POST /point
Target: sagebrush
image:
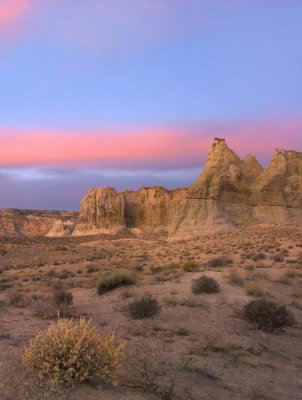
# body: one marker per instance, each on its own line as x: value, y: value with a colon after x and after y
x: 267, y: 315
x: 205, y: 284
x: 114, y: 280
x: 146, y: 306
x: 70, y: 352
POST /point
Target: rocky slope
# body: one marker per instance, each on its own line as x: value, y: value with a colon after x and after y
x: 30, y: 223
x: 230, y: 192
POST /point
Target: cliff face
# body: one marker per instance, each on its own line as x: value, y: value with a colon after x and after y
x: 107, y: 211
x: 30, y: 223
x: 230, y: 192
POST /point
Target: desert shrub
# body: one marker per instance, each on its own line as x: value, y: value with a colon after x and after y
x: 278, y: 258
x: 258, y: 256
x: 235, y: 278
x: 114, y: 280
x: 70, y: 352
x: 16, y: 298
x: 190, y: 266
x: 62, y: 298
x: 61, y: 248
x: 205, y: 284
x: 219, y: 262
x: 19, y: 383
x: 144, y: 307
x: 3, y: 251
x: 267, y: 315
x: 253, y: 289
x: 146, y: 365
x: 45, y: 307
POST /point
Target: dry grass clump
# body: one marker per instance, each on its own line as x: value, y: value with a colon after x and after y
x: 297, y: 292
x: 63, y: 298
x: 267, y: 315
x: 234, y: 278
x: 219, y: 262
x: 114, y: 280
x: 190, y: 266
x: 253, y: 289
x: 16, y: 298
x: 3, y: 250
x: 205, y: 284
x: 146, y: 367
x: 258, y: 256
x: 70, y: 352
x: 146, y: 306
x: 19, y: 383
x: 258, y: 393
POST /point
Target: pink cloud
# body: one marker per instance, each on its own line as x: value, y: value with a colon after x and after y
x: 113, y: 27
x: 11, y: 11
x: 161, y: 147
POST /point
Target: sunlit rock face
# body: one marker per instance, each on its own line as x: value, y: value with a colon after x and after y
x: 107, y: 211
x: 61, y: 228
x: 229, y: 193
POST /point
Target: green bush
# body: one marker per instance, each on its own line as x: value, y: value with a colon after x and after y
x: 70, y: 352
x: 144, y: 307
x: 114, y: 280
x: 205, y: 284
x: 267, y: 315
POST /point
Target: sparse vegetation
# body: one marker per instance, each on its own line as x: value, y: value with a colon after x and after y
x: 147, y: 365
x: 205, y: 284
x: 70, y: 352
x: 219, y: 262
x: 253, y: 289
x: 63, y: 298
x: 235, y: 278
x: 114, y: 280
x: 3, y: 250
x: 190, y: 266
x: 267, y: 315
x: 144, y: 307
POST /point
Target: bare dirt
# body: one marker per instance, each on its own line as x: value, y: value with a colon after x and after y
x: 211, y: 353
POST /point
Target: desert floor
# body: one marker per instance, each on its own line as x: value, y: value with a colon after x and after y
x: 204, y: 347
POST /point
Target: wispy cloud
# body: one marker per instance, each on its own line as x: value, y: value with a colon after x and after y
x: 11, y: 12
x: 55, y: 169
x: 108, y: 26
x: 159, y: 148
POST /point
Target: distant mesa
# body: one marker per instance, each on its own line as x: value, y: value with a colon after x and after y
x: 29, y: 223
x: 230, y: 193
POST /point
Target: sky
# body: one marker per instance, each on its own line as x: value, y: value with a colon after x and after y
x: 131, y: 93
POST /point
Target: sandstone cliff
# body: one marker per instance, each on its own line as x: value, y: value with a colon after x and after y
x: 230, y: 192
x: 30, y: 223
x: 107, y: 211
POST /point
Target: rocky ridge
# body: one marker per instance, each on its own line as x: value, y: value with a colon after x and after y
x: 230, y: 192
x: 31, y: 223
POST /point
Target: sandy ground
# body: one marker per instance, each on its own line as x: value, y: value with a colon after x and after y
x: 210, y: 351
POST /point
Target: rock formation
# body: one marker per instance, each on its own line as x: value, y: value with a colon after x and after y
x: 107, y: 211
x: 61, y: 228
x: 30, y: 223
x: 230, y: 192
